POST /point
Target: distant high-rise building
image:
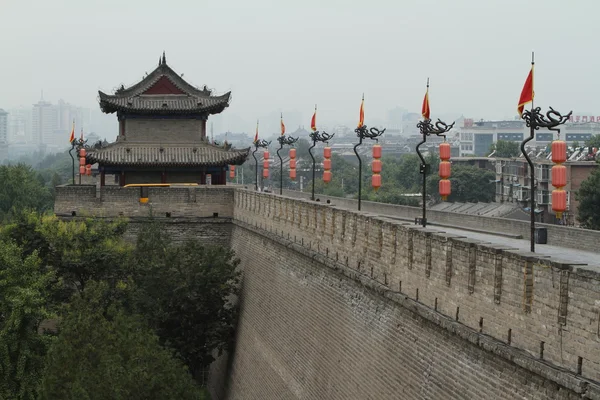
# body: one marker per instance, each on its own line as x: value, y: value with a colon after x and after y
x: 3, y: 127
x: 19, y: 125
x: 44, y: 123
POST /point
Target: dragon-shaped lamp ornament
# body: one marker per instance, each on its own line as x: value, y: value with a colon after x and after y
x: 362, y: 132
x: 427, y: 128
x: 317, y: 136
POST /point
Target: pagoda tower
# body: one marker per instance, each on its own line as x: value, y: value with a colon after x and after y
x: 162, y: 133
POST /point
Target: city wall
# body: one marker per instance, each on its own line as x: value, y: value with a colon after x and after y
x: 575, y: 238
x: 340, y: 304
x: 202, y: 213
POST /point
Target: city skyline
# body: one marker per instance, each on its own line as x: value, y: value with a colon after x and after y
x: 476, y: 55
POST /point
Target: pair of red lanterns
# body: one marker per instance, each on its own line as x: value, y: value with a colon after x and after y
x: 83, y: 168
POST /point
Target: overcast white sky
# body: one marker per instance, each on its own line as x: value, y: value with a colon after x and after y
x: 288, y: 55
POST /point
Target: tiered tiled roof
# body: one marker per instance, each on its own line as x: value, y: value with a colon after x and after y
x: 155, y: 155
x: 163, y: 91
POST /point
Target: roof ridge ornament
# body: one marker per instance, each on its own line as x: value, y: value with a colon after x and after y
x: 164, y: 59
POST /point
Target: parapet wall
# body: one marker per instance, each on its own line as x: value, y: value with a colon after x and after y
x: 545, y: 308
x: 113, y: 201
x: 558, y: 235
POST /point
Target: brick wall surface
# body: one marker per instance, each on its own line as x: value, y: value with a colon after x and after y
x: 156, y: 130
x: 545, y: 309
x: 110, y: 201
x: 576, y: 238
x: 311, y: 331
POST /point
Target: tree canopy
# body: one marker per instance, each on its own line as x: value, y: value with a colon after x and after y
x: 505, y: 149
x: 102, y: 352
x: 588, y: 195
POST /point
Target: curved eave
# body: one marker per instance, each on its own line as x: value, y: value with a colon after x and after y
x: 237, y: 158
x: 108, y: 106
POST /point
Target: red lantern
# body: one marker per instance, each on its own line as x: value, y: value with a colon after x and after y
x: 292, y: 153
x: 231, y: 174
x: 559, y: 176
x: 445, y: 151
x: 82, y: 161
x: 81, y: 170
x: 82, y: 152
x: 266, y: 164
x: 559, y: 151
x: 266, y: 155
x: 292, y: 174
x: 376, y: 166
x: 444, y: 187
x: 559, y: 202
x: 376, y: 181
x: 444, y: 170
x: 88, y: 169
x: 376, y: 151
x: 327, y: 164
x: 265, y: 173
x: 292, y: 164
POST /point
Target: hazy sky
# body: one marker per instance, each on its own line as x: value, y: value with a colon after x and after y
x: 288, y: 55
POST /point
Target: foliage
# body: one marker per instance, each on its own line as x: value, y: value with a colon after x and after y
x: 505, y: 149
x: 22, y: 188
x: 23, y: 306
x: 594, y: 141
x: 588, y: 196
x: 469, y: 184
x: 104, y: 353
x: 186, y: 292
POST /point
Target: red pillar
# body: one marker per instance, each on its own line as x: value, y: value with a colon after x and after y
x: 163, y: 177
x: 102, y: 177
x: 122, y: 180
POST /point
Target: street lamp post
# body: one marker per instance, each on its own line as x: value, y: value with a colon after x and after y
x: 535, y: 119
x: 283, y: 140
x: 76, y: 144
x: 362, y: 132
x: 427, y: 128
x: 316, y: 136
x: 257, y: 145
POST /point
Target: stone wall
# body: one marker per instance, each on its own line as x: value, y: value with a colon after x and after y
x: 424, y: 315
x: 576, y: 238
x: 156, y: 130
x: 112, y: 201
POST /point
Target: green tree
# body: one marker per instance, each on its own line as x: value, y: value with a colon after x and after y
x: 186, y: 293
x: 575, y: 144
x: 22, y: 188
x: 588, y: 195
x: 104, y: 353
x: 469, y: 184
x: 594, y: 141
x: 90, y: 249
x: 505, y: 149
x: 23, y: 307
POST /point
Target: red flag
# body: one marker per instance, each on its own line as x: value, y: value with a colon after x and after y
x: 527, y: 93
x: 256, y: 135
x: 282, y: 126
x: 72, y: 137
x: 425, y: 111
x: 313, y: 121
x: 361, y: 117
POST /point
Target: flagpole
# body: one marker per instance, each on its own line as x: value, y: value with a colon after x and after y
x: 532, y: 190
